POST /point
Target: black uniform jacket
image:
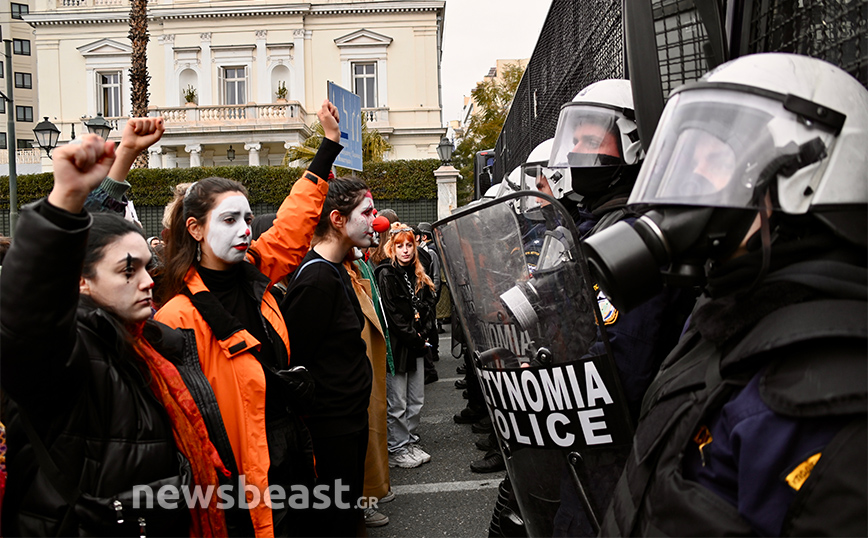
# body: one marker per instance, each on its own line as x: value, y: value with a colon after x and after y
x: 65, y: 371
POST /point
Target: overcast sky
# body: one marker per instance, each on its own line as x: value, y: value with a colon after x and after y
x: 477, y: 34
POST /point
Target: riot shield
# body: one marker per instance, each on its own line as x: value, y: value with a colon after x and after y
x: 521, y: 292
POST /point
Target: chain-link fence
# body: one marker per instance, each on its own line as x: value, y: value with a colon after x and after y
x: 833, y: 31
x: 580, y: 43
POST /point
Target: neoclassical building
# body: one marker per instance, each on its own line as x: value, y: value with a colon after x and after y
x: 218, y: 70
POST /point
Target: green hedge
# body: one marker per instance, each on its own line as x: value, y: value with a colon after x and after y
x: 395, y: 180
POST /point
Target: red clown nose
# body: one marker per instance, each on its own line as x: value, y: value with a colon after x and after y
x: 381, y: 224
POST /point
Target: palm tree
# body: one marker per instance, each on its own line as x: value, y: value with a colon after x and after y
x: 139, y: 65
x: 374, y: 146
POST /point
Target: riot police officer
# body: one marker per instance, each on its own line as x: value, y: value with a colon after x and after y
x: 757, y: 188
x: 594, y: 161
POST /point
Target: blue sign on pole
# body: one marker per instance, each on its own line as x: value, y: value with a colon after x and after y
x: 349, y: 107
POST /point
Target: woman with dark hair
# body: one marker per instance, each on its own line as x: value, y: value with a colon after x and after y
x: 325, y: 323
x: 408, y: 301
x: 97, y: 406
x: 219, y: 282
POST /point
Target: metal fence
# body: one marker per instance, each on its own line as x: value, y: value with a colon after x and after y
x: 580, y: 43
x: 833, y: 31
x: 410, y: 212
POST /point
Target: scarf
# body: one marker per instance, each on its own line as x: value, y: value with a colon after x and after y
x: 189, y: 431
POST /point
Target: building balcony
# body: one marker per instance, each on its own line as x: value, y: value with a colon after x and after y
x: 272, y: 118
x: 252, y: 113
x: 22, y: 156
x: 96, y: 3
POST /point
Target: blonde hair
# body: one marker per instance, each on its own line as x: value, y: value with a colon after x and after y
x: 400, y: 233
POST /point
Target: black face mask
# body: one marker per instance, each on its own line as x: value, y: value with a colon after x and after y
x: 593, y: 173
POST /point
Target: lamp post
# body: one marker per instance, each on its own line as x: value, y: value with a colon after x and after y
x: 230, y: 153
x: 447, y: 180
x: 444, y: 151
x: 47, y: 134
x: 99, y: 126
x: 10, y: 140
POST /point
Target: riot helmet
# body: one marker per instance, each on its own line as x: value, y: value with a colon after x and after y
x: 597, y: 138
x: 759, y: 138
x: 537, y: 176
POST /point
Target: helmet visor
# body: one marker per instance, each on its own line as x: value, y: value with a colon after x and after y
x: 723, y: 148
x: 587, y: 136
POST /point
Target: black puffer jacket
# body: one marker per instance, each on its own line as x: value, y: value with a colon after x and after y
x: 398, y: 305
x: 66, y: 370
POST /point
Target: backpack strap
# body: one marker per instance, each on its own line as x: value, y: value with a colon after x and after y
x: 330, y: 264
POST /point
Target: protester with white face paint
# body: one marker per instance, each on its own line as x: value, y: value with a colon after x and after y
x: 325, y: 321
x: 219, y: 283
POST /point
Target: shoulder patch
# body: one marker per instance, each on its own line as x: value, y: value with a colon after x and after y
x: 802, y: 471
x: 607, y: 309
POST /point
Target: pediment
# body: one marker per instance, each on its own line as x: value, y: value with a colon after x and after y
x: 363, y: 38
x: 105, y: 47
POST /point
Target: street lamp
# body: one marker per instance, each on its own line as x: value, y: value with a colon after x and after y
x: 230, y: 153
x: 98, y: 126
x: 47, y: 134
x: 444, y: 151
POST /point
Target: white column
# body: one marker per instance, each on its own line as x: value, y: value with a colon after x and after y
x: 205, y: 72
x: 297, y: 90
x: 263, y: 85
x: 90, y: 85
x: 447, y: 192
x: 155, y: 157
x: 253, y: 153
x: 171, y: 159
x: 195, y: 151
x: 382, y: 83
x: 173, y: 97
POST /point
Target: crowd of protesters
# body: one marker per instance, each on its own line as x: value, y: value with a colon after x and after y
x: 256, y: 359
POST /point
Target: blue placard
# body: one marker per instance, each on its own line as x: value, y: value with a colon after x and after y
x: 349, y: 107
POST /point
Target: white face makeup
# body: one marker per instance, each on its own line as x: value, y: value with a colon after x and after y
x: 228, y: 233
x: 360, y: 227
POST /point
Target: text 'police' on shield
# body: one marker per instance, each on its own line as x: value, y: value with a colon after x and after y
x: 563, y: 406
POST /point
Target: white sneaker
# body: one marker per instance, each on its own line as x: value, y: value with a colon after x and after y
x: 418, y: 453
x: 404, y: 459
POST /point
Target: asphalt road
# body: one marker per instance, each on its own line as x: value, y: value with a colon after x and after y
x: 442, y: 497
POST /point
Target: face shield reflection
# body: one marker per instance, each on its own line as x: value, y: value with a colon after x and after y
x: 586, y: 136
x: 720, y: 148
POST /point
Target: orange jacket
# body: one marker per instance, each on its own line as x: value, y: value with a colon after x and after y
x: 235, y: 375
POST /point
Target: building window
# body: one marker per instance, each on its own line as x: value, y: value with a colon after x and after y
x: 365, y: 83
x: 21, y: 46
x: 2, y: 106
x: 234, y: 86
x: 3, y: 141
x: 23, y: 80
x: 2, y: 70
x: 19, y: 9
x: 24, y: 143
x: 24, y: 113
x: 109, y: 93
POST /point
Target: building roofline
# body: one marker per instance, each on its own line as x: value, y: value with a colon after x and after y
x: 114, y: 15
